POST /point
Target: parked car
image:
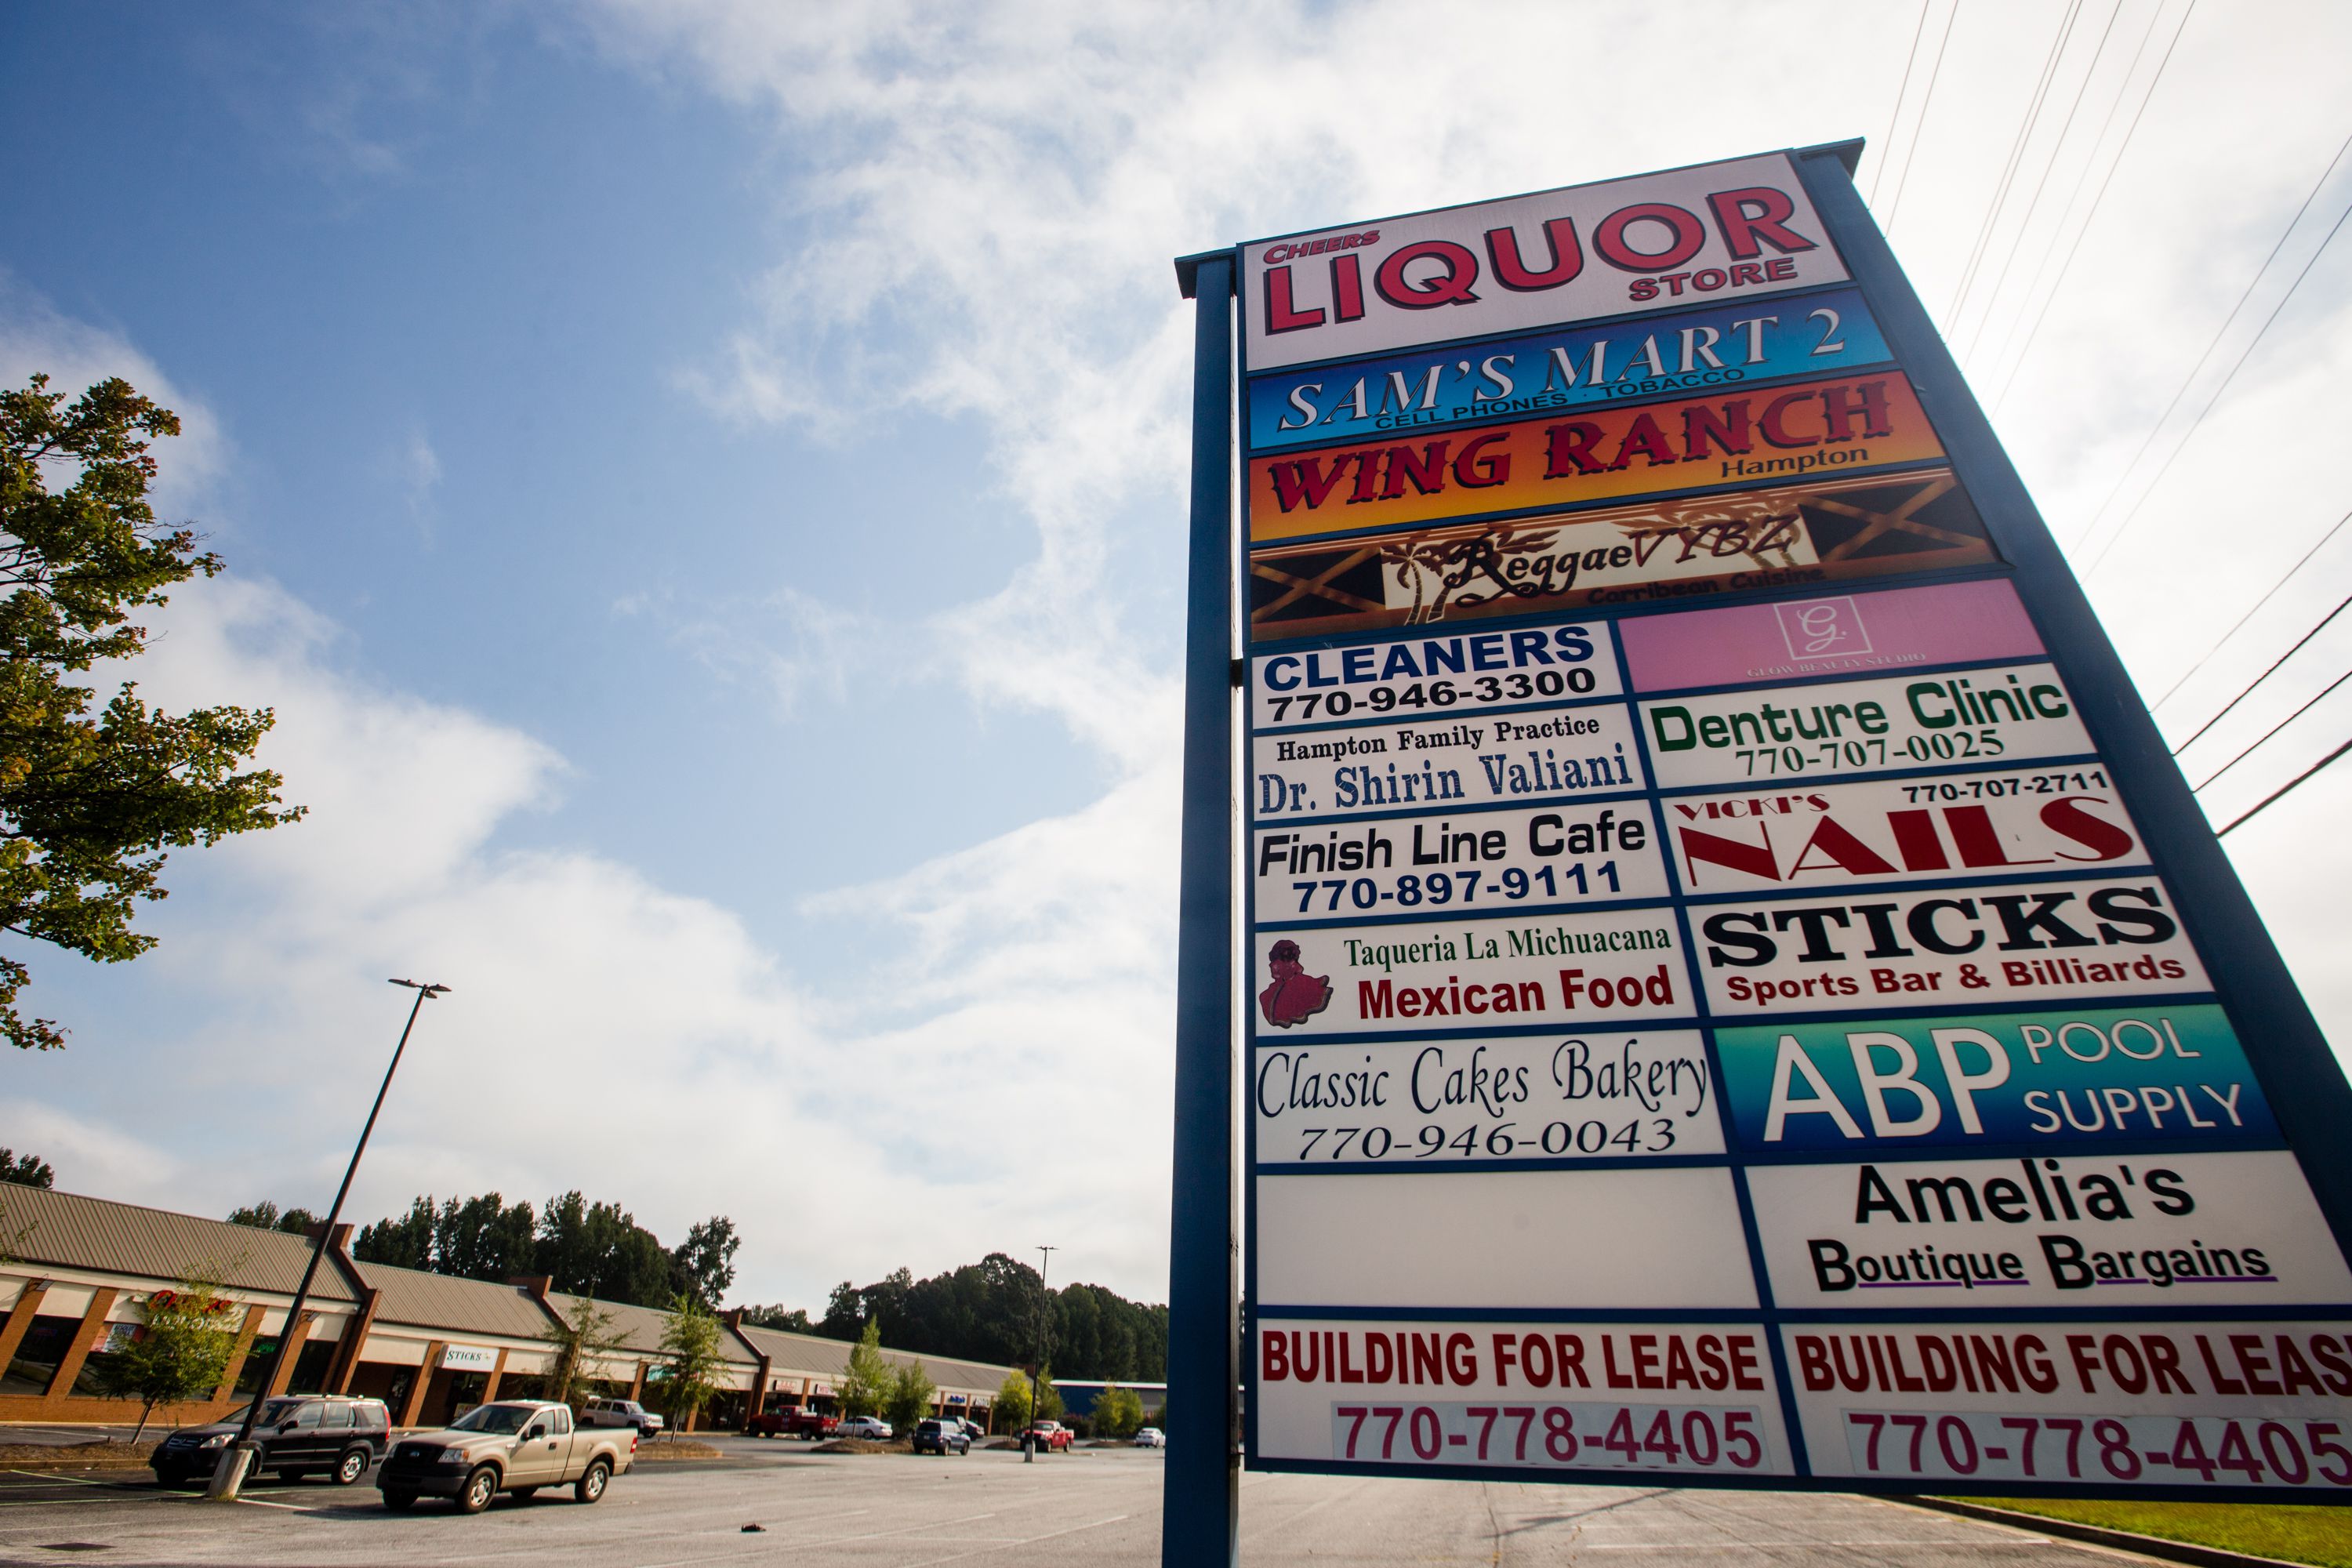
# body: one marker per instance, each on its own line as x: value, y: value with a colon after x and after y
x: 868, y: 1427
x: 1046, y: 1435
x: 515, y: 1445
x: 975, y: 1431
x: 1152, y: 1438
x: 318, y: 1435
x: 620, y: 1413
x: 941, y: 1437
x: 775, y: 1423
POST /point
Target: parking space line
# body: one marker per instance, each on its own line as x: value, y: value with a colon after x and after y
x: 822, y: 1540
x: 1024, y: 1540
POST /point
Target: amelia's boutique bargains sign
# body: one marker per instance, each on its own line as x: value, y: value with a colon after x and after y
x: 1736, y: 995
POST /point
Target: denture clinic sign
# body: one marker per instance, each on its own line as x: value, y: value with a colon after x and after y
x: 1731, y: 1001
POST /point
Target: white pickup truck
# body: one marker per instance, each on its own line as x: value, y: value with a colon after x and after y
x: 514, y: 1446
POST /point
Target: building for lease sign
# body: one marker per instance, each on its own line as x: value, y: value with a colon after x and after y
x: 1735, y: 993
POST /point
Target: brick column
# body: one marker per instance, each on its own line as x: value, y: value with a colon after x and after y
x: 406, y: 1415
x: 20, y: 1318
x: 637, y: 1387
x: 236, y: 1354
x: 347, y: 1352
x: 289, y: 1349
x: 70, y: 1365
x: 491, y: 1389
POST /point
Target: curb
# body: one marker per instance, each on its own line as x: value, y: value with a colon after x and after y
x: 43, y: 1467
x: 2100, y: 1535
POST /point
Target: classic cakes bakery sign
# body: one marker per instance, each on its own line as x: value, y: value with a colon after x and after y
x: 1695, y: 869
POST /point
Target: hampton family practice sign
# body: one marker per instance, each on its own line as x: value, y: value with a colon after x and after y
x: 1738, y: 994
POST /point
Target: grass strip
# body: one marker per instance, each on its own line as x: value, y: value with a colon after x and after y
x: 2289, y: 1531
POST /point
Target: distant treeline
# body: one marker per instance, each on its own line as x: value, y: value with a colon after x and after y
x: 985, y: 1311
x: 587, y: 1248
x: 988, y: 1311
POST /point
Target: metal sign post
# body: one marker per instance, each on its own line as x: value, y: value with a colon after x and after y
x: 1202, y: 1513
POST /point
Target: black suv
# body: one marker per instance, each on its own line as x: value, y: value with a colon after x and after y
x: 941, y: 1437
x: 298, y: 1435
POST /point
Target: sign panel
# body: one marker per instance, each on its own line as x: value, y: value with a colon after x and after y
x: 1590, y: 1095
x: 2048, y: 1080
x: 469, y: 1358
x: 1725, y: 438
x: 1730, y: 995
x: 1673, y: 547
x: 1900, y: 830
x: 1662, y: 1401
x: 1718, y: 231
x: 1692, y: 352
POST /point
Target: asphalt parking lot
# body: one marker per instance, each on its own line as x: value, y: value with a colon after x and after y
x: 1088, y: 1506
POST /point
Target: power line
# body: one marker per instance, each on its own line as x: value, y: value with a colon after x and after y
x: 2273, y: 730
x: 2285, y: 789
x: 1926, y: 106
x: 1894, y: 114
x: 2249, y: 688
x: 2008, y: 170
x: 2219, y: 333
x: 2066, y: 214
x: 2244, y: 355
x: 2025, y: 225
x: 2092, y: 215
x: 2249, y: 616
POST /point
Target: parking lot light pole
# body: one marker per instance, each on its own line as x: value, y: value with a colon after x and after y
x: 230, y: 1476
x: 1029, y: 1449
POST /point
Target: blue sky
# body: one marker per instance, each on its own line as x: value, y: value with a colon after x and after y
x: 703, y: 486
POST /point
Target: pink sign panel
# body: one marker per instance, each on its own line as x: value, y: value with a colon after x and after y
x: 1838, y: 633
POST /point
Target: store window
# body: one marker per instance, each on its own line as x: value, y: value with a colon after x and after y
x: 312, y: 1366
x: 45, y: 1345
x: 88, y: 1382
x: 257, y: 1358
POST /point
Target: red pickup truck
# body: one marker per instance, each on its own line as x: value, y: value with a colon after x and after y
x: 1050, y: 1435
x: 806, y: 1425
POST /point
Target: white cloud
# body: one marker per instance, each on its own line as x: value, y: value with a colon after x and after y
x: 992, y: 195
x: 33, y: 338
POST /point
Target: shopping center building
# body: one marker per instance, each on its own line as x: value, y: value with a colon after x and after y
x: 76, y: 1273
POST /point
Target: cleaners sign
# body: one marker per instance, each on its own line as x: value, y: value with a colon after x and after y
x: 1730, y: 999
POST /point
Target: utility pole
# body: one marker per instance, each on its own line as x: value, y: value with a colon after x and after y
x: 1044, y: 1261
x: 235, y: 1458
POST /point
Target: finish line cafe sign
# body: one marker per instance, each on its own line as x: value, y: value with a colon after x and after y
x: 1732, y: 1002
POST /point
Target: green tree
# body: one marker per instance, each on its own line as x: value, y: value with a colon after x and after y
x: 483, y: 1239
x: 1049, y: 1398
x: 1118, y: 1412
x: 600, y: 1249
x: 25, y: 1170
x: 705, y: 1260
x: 911, y: 1393
x: 866, y: 1388
x: 1010, y: 1411
x: 181, y: 1352
x: 791, y: 1321
x: 90, y: 803
x: 267, y: 1215
x: 404, y: 1243
x: 581, y: 1337
x: 690, y: 1342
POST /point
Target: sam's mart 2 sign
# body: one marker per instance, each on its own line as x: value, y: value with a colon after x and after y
x: 1735, y: 998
